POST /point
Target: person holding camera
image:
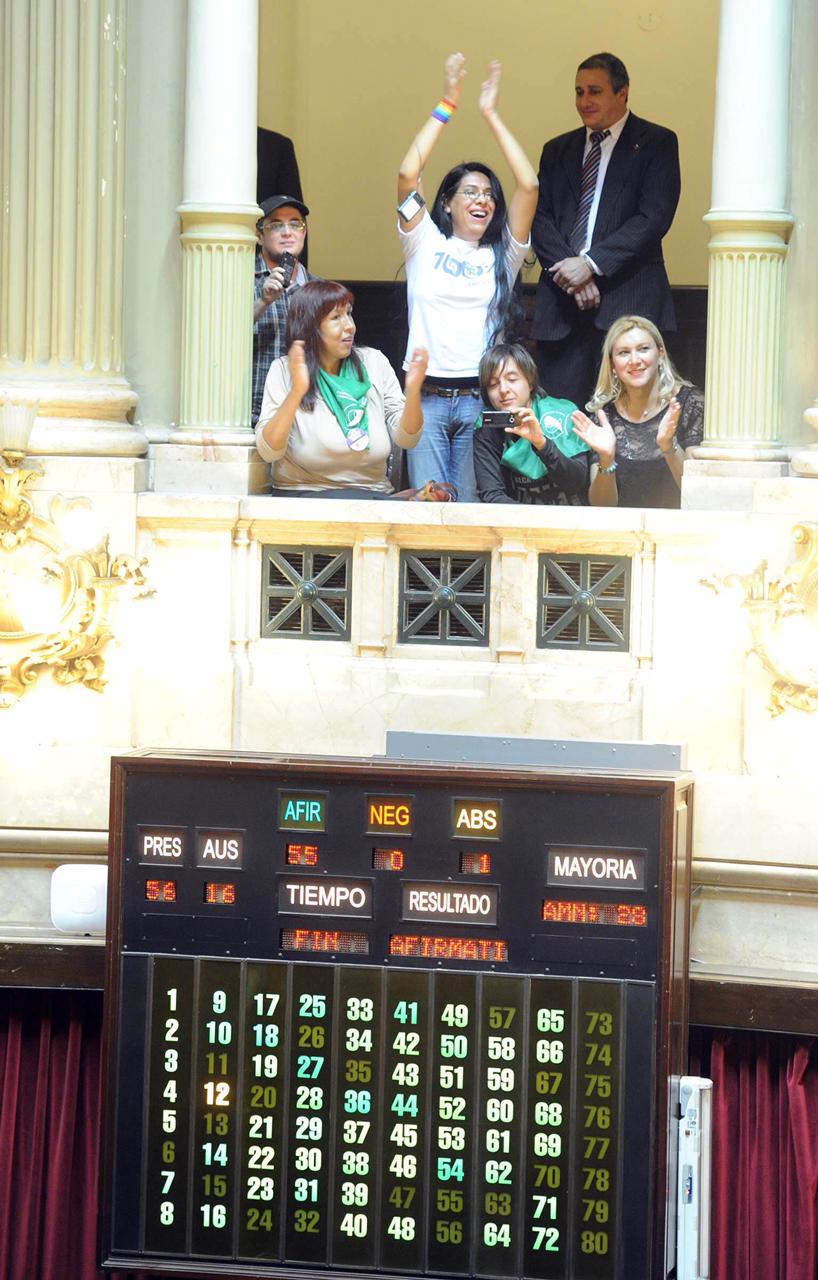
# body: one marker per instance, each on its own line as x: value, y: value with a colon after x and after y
x: 281, y: 232
x: 462, y: 260
x: 525, y: 448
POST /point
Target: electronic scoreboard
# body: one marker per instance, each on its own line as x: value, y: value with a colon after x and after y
x: 377, y: 1016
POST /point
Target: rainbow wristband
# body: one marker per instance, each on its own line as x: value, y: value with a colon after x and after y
x: 444, y: 111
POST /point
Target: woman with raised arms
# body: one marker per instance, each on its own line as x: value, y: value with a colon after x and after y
x: 462, y: 260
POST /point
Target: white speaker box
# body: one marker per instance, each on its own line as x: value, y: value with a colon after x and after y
x: 78, y: 897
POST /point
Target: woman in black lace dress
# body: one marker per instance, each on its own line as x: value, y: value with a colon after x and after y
x: 645, y: 419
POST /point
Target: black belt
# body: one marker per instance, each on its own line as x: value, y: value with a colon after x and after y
x: 451, y: 387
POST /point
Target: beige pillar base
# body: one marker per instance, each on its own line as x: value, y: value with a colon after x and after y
x: 805, y: 461
x: 727, y: 485
x: 82, y: 415
x: 210, y: 466
x: 743, y: 409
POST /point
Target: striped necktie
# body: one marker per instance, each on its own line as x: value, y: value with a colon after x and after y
x: 590, y: 170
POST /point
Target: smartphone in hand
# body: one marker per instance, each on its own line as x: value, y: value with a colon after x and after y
x: 287, y: 265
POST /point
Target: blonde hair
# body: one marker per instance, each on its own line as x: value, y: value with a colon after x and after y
x: 608, y: 386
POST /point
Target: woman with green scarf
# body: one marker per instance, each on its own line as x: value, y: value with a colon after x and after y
x: 537, y: 460
x: 331, y: 412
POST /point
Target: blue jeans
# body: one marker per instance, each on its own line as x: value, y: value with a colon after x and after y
x: 445, y: 449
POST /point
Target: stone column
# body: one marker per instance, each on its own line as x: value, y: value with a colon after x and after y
x: 62, y: 223
x: 213, y: 449
x: 750, y: 225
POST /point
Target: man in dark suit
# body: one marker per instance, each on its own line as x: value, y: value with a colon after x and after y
x: 608, y: 193
x: 277, y: 167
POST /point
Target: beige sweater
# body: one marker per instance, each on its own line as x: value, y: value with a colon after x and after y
x: 317, y: 455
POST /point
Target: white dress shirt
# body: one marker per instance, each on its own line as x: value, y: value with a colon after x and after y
x: 606, y: 150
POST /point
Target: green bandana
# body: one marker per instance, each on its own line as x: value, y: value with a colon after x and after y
x: 345, y: 394
x: 554, y: 417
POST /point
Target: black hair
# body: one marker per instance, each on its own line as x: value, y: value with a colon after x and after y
x: 496, y: 359
x: 309, y: 305
x: 505, y: 313
x: 616, y: 70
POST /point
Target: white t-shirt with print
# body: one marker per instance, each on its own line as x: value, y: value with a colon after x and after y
x: 450, y: 285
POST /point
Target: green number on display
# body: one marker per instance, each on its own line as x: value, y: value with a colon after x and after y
x: 356, y: 1131
x: 307, y: 1099
x: 354, y: 1193
x: 358, y: 1039
x: 406, y: 1011
x: 455, y: 1015
x: 305, y: 1189
x: 266, y: 1004
x: 405, y: 1104
x: 266, y: 1034
x: 547, y: 1238
x: 261, y: 1157
x: 360, y: 1010
x: 312, y: 1007
x: 402, y: 1228
x: 354, y: 1224
x: 496, y: 1234
x: 551, y: 1020
x: 355, y: 1162
x: 498, y: 1171
x: 213, y: 1215
x: 357, y: 1100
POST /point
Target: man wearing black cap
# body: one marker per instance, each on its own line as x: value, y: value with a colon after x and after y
x: 282, y: 229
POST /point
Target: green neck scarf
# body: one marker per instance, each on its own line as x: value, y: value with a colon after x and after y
x: 554, y: 417
x: 345, y: 394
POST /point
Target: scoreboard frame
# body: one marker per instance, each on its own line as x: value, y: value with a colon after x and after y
x: 670, y: 796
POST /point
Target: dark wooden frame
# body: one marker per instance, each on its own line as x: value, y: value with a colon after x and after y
x: 675, y: 795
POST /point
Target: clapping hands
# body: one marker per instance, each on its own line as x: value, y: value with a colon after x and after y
x: 417, y: 369
x: 299, y: 370
x: 454, y: 71
x: 598, y: 435
x: 490, y: 89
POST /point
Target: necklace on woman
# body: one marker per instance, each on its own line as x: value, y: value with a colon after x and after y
x: 650, y: 412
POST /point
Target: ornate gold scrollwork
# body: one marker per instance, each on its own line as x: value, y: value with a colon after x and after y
x: 783, y: 618
x: 56, y: 603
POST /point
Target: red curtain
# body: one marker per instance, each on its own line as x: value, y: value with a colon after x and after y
x: 765, y: 1143
x: 765, y: 1153
x: 49, y: 1134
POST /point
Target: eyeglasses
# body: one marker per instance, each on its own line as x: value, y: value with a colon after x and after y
x: 295, y: 225
x: 477, y: 193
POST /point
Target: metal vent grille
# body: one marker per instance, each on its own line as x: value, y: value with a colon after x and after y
x: 584, y: 602
x: 306, y: 592
x: 444, y: 598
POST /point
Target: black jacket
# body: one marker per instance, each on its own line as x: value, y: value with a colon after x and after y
x: 639, y: 198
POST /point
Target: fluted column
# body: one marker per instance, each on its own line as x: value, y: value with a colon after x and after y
x: 219, y: 213
x: 750, y: 226
x: 62, y: 140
